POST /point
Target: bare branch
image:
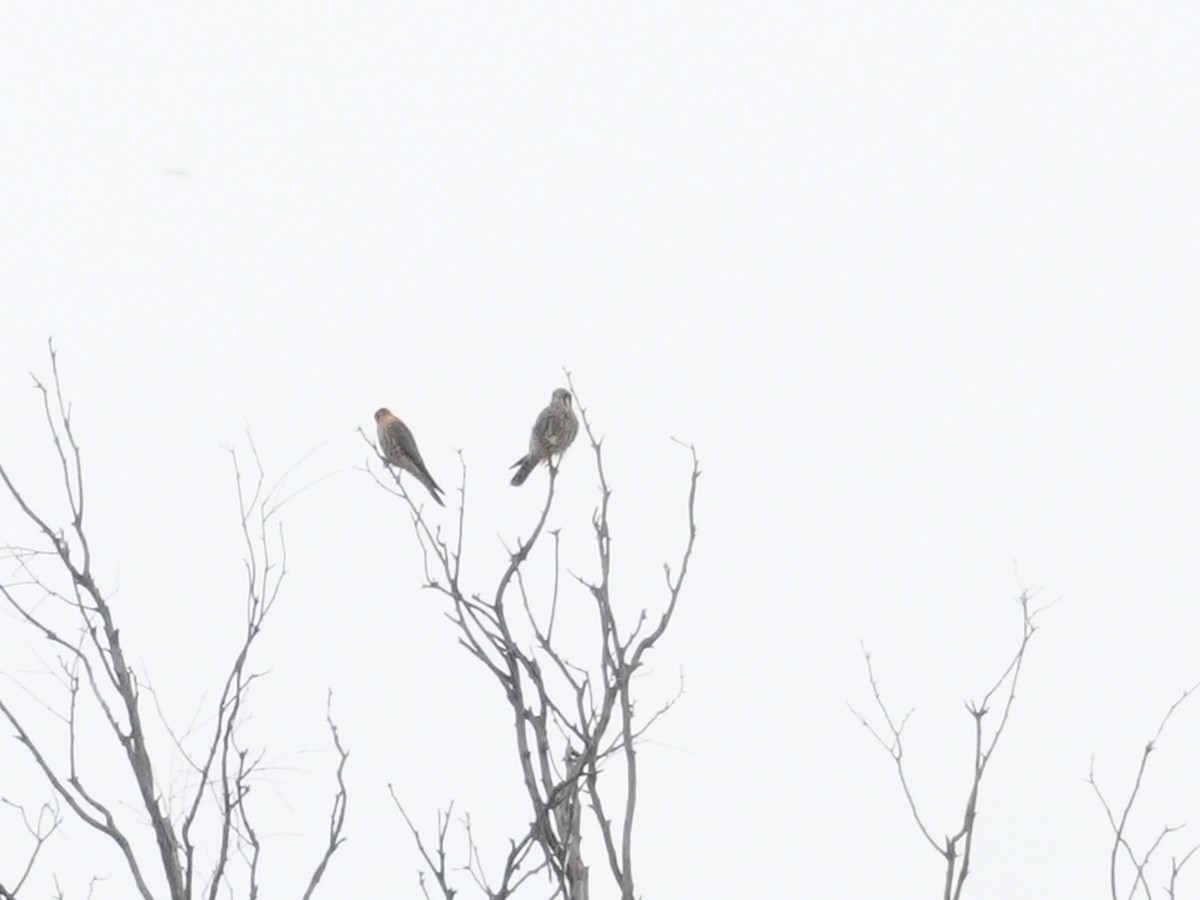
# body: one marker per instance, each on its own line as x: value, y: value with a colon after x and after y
x: 48, y: 820
x: 337, y: 817
x: 1177, y: 867
x: 894, y: 747
x: 436, y: 869
x: 1120, y: 825
x: 956, y: 849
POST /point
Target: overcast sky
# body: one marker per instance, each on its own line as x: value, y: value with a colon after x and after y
x: 921, y: 286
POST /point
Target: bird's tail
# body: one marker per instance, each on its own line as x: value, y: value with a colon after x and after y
x: 426, y: 479
x: 524, y: 466
x: 436, y: 493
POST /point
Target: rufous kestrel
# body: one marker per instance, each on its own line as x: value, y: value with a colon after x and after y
x: 400, y: 449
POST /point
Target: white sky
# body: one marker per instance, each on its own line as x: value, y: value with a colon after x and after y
x: 921, y: 285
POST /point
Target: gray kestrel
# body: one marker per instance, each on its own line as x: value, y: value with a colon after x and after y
x: 400, y: 450
x: 552, y: 434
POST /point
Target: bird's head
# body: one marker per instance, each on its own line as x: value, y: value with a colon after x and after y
x: 561, y: 395
x: 382, y: 413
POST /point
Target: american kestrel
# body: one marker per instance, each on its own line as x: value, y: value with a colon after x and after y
x: 400, y: 449
x: 553, y: 432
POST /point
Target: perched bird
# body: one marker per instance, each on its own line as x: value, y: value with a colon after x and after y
x: 553, y: 432
x: 400, y: 449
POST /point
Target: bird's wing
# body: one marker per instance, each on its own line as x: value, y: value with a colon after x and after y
x: 402, y: 441
x: 545, y: 426
x: 542, y: 439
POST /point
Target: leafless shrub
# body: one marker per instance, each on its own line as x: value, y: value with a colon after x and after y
x: 56, y: 595
x: 568, y: 718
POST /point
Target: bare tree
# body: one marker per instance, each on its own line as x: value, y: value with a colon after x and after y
x: 1122, y: 846
x: 955, y: 849
x: 569, y: 718
x: 57, y: 596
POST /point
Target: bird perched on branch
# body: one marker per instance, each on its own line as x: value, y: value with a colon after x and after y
x: 400, y: 449
x: 553, y: 432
